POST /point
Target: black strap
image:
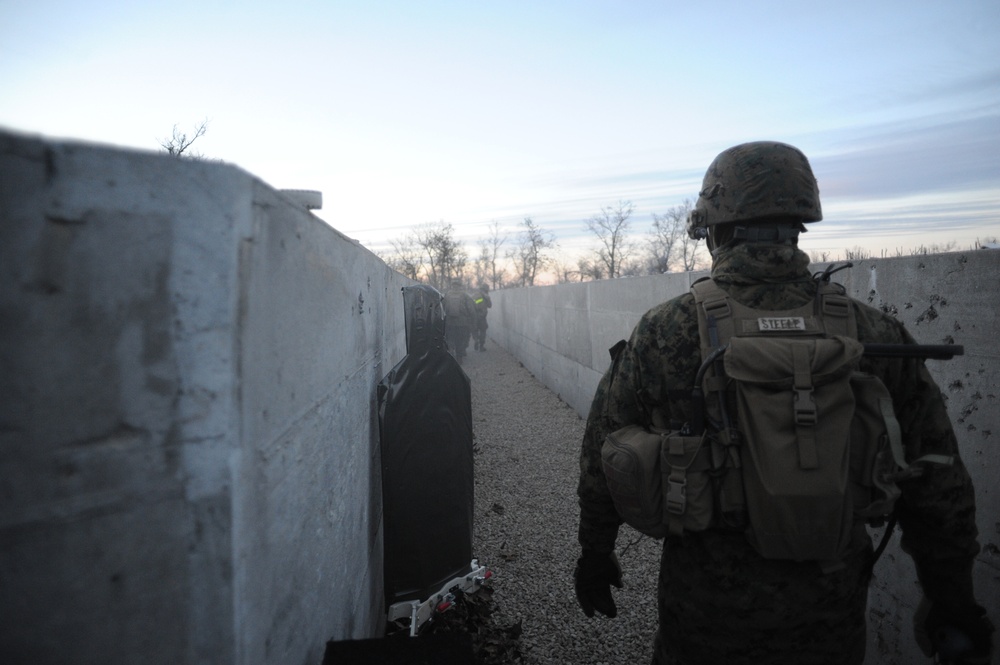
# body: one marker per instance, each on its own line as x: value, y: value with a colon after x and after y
x: 759, y: 233
x: 885, y: 540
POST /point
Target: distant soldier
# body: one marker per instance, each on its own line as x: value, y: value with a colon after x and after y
x: 460, y: 316
x: 483, y: 303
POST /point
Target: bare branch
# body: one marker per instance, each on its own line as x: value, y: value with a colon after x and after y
x: 611, y: 228
x: 530, y: 256
x: 446, y: 258
x: 179, y: 143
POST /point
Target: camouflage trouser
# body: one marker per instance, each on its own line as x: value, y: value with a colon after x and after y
x: 480, y: 333
x: 457, y: 337
x: 718, y: 602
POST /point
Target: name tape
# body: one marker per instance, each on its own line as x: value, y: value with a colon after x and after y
x: 776, y: 323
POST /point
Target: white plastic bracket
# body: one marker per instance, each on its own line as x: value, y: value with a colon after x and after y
x: 420, y: 613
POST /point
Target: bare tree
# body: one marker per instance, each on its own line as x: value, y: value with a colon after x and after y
x: 480, y: 267
x: 858, y: 253
x: 631, y: 268
x: 589, y: 270
x: 935, y: 248
x: 491, y: 252
x: 667, y: 238
x: 691, y: 255
x: 406, y: 257
x: 564, y: 273
x: 446, y: 258
x: 530, y: 255
x: 611, y: 228
x: 180, y: 143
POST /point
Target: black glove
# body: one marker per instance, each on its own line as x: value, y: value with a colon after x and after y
x: 959, y: 635
x: 593, y: 577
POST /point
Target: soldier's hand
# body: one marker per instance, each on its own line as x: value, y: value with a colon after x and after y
x: 594, y: 576
x: 959, y: 635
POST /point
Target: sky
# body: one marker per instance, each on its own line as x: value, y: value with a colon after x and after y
x: 408, y: 113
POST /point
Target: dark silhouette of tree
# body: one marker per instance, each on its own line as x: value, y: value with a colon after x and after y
x: 669, y: 231
x: 670, y: 248
x: 406, y: 257
x: 446, y: 258
x: 429, y: 254
x: 530, y: 256
x: 488, y: 266
x: 179, y: 143
x: 611, y: 227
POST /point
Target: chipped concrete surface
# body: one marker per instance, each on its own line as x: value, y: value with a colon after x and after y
x: 188, y: 441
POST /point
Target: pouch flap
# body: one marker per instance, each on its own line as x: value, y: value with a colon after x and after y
x: 769, y: 361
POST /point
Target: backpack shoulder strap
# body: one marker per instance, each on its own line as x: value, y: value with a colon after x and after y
x: 834, y: 309
x: 832, y: 313
x: 715, y: 329
x: 715, y: 315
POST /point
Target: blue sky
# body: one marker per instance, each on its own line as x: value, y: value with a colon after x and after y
x: 405, y: 113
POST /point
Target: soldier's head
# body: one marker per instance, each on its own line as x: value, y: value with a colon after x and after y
x: 484, y: 287
x: 456, y: 283
x: 756, y: 192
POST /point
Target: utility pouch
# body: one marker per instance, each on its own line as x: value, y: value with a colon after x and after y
x: 659, y: 480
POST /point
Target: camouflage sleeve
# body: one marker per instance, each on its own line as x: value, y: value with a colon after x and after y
x: 599, y: 521
x: 937, y: 510
x: 637, y: 384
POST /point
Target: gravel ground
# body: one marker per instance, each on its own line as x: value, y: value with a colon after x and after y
x: 526, y: 517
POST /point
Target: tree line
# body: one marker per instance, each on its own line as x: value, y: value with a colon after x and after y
x: 432, y: 254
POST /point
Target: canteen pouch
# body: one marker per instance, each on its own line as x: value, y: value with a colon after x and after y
x: 659, y: 480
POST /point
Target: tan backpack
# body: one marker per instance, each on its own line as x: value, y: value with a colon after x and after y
x: 813, y: 445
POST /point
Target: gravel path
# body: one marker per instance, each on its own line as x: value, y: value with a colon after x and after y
x: 526, y: 517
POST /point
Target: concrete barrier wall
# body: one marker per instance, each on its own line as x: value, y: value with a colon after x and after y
x: 562, y: 333
x: 188, y: 434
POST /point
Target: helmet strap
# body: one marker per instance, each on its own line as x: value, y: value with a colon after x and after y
x: 768, y: 233
x: 730, y: 235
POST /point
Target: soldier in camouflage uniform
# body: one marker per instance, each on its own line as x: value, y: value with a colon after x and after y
x: 460, y: 317
x: 483, y: 305
x: 719, y: 601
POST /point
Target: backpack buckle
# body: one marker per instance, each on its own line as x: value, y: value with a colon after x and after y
x: 805, y: 408
x: 838, y: 306
x: 676, y: 494
x: 719, y: 308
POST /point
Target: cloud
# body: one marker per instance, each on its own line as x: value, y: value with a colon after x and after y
x: 931, y: 154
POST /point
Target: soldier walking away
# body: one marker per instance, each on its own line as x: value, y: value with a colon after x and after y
x: 483, y: 304
x: 726, y: 592
x: 460, y: 316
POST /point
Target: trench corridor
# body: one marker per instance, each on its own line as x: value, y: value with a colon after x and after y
x: 526, y: 465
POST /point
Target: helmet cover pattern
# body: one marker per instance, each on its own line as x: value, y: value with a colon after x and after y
x: 756, y: 181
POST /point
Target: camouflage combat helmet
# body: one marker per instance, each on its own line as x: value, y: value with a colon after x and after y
x: 756, y: 181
